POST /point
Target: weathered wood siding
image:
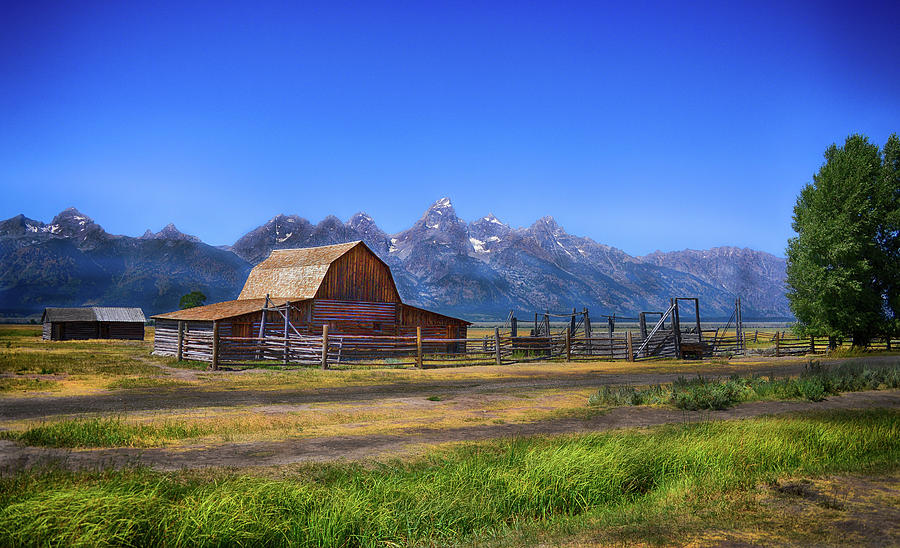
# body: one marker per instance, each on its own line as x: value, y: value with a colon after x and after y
x: 165, y: 338
x: 76, y: 331
x: 359, y: 275
x: 122, y: 330
x: 355, y: 317
x: 410, y: 315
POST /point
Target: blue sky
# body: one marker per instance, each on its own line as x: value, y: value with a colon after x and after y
x: 641, y: 125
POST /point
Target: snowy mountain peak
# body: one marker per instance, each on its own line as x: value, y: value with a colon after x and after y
x: 360, y: 218
x: 486, y: 231
x: 72, y: 217
x: 169, y: 232
x: 441, y: 216
x: 71, y: 223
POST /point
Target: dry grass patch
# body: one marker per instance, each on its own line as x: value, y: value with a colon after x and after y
x: 390, y: 416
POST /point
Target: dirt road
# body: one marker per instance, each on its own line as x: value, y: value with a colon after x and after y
x: 189, y: 397
x: 14, y: 457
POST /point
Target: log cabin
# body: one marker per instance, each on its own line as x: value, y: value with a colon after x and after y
x: 95, y: 322
x: 344, y: 286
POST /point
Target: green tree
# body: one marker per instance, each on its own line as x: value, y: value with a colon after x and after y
x: 842, y: 270
x: 192, y: 299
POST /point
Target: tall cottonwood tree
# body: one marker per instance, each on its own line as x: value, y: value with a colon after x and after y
x: 843, y: 271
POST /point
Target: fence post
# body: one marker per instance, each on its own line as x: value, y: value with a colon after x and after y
x: 587, y: 332
x: 287, y: 312
x: 497, y: 345
x: 812, y: 344
x: 180, y: 353
x: 262, y: 332
x: 676, y: 328
x: 777, y: 344
x: 419, y: 360
x: 325, y: 346
x: 568, y: 344
x: 629, y: 346
x: 756, y: 336
x: 514, y: 327
x: 214, y: 363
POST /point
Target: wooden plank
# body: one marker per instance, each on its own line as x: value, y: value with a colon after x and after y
x: 587, y: 330
x: 325, y: 346
x: 286, y: 337
x: 180, y: 353
x: 419, y: 347
x: 214, y: 361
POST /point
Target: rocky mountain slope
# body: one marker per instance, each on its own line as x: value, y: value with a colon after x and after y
x: 72, y: 261
x: 489, y: 267
x: 758, y: 277
x: 478, y: 269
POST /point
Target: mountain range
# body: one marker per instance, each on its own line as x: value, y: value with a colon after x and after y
x: 477, y: 270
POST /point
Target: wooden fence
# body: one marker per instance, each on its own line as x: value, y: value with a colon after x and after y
x: 204, y: 343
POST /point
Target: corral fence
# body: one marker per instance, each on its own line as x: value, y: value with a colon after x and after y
x: 341, y: 350
x: 664, y: 339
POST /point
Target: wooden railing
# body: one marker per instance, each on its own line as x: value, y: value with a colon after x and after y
x: 208, y: 345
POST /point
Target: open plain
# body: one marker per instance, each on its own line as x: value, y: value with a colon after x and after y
x: 99, y: 415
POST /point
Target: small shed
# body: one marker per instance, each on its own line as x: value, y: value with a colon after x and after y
x: 94, y: 322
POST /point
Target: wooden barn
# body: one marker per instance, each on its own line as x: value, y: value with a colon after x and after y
x: 95, y: 322
x: 344, y: 286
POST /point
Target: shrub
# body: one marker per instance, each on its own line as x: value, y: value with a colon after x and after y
x: 815, y: 383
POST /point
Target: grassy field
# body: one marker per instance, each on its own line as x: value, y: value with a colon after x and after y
x: 692, y: 477
x: 680, y: 483
x: 94, y: 368
x: 29, y: 364
x: 814, y: 384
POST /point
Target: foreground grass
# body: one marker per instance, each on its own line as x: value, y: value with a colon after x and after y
x: 476, y: 491
x: 106, y: 432
x: 814, y: 384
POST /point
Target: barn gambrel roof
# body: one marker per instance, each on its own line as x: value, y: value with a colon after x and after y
x: 294, y: 273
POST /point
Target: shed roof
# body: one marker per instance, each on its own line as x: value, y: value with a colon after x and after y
x: 93, y: 314
x: 118, y: 314
x: 293, y: 273
x: 218, y: 311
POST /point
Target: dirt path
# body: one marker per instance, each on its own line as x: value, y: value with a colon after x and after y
x: 181, y: 398
x: 15, y: 457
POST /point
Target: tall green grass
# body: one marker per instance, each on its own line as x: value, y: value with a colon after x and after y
x: 815, y: 384
x: 475, y: 491
x: 106, y: 432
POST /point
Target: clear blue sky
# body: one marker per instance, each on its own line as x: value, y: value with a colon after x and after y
x: 642, y: 125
